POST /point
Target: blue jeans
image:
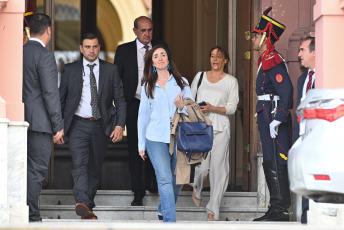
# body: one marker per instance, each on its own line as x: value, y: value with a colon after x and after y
x: 164, y: 165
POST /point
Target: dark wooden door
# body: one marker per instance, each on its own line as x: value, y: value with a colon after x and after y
x: 243, y: 70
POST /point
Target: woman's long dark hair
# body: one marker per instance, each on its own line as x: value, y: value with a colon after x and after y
x: 149, y: 78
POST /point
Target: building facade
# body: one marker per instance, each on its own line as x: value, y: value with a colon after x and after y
x: 190, y: 28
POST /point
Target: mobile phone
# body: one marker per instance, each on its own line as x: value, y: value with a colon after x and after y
x: 202, y: 103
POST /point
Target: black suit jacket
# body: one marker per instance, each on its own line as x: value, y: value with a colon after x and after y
x: 126, y: 60
x: 300, y: 83
x: 110, y: 90
x: 40, y: 89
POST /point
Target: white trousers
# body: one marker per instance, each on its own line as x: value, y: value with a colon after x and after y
x: 217, y: 166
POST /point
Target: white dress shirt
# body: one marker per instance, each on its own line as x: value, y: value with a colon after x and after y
x: 85, y: 109
x: 37, y: 40
x: 141, y: 51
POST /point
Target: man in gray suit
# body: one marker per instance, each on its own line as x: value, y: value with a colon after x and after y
x: 89, y: 89
x: 42, y: 108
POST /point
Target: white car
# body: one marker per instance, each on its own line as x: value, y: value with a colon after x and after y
x: 316, y: 160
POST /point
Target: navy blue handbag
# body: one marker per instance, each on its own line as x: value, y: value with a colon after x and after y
x: 194, y: 137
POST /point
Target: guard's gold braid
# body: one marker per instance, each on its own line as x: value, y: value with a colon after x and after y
x: 273, y: 22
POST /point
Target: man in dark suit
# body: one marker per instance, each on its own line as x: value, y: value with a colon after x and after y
x: 130, y: 61
x: 304, y: 83
x: 93, y: 108
x: 42, y: 107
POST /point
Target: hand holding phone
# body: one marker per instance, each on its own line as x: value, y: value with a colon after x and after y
x: 202, y: 103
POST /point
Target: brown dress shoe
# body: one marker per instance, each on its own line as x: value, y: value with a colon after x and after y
x: 83, y: 210
x: 211, y: 217
x: 93, y: 217
x: 196, y: 200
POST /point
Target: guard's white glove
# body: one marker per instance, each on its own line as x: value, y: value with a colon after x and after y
x: 274, y: 128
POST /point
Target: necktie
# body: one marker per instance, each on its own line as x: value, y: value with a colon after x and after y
x: 146, y: 47
x: 94, y: 94
x: 309, y: 84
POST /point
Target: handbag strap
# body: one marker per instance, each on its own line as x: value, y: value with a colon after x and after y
x: 195, y: 115
x: 198, y: 84
x: 204, y: 155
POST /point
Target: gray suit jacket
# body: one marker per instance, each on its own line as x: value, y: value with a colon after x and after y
x: 110, y: 91
x: 40, y: 90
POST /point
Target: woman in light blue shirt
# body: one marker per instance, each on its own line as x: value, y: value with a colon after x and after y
x: 162, y: 93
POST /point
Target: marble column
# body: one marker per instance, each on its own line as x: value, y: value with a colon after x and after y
x: 17, y: 171
x: 329, y: 21
x: 4, y: 208
x: 13, y: 208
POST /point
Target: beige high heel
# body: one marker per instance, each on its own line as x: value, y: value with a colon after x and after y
x: 211, y: 217
x: 196, y: 200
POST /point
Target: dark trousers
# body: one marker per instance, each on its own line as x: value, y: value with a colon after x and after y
x: 135, y: 161
x: 39, y: 146
x: 283, y: 139
x: 88, y: 144
x: 305, y: 208
x: 275, y: 160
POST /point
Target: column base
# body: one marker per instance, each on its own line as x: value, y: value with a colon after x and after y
x: 4, y: 209
x: 17, y: 172
x: 4, y: 214
x: 262, y: 191
x: 18, y: 214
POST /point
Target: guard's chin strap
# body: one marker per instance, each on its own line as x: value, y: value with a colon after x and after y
x: 27, y: 30
x: 262, y: 40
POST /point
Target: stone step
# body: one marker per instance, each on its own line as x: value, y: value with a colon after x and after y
x: 149, y: 213
x: 124, y: 198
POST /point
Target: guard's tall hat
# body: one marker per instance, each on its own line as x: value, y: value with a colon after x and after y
x: 27, y: 17
x: 269, y: 27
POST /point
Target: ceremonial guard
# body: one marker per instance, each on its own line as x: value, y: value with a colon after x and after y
x: 275, y: 97
x: 26, y: 29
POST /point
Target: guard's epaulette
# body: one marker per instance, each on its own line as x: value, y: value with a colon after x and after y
x: 270, y: 59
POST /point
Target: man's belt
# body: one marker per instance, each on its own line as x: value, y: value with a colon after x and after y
x: 268, y: 97
x: 88, y: 118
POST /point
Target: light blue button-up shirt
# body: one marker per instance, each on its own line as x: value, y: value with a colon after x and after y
x: 155, y: 115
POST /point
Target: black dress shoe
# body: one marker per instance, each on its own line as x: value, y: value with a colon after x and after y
x: 35, y: 221
x: 137, y: 202
x: 152, y: 187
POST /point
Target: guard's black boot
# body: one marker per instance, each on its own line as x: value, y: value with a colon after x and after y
x: 274, y: 214
x: 284, y: 202
x: 278, y: 184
